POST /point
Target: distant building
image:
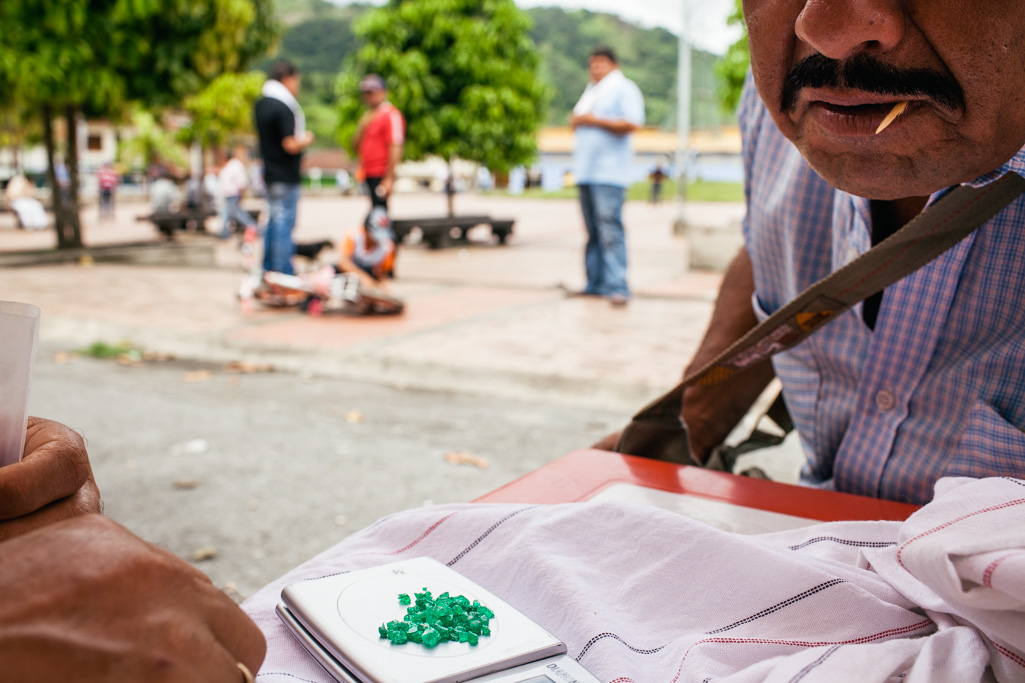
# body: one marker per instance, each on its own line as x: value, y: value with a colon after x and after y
x: 97, y: 145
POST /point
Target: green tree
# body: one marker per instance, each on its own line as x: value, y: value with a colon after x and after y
x: 465, y: 74
x: 222, y: 110
x: 151, y: 141
x: 732, y: 68
x: 16, y: 129
x: 93, y: 57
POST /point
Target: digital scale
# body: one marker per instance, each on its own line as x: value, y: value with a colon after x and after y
x: 336, y: 619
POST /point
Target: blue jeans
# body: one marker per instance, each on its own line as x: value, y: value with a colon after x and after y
x: 278, y: 247
x: 234, y: 212
x: 605, y: 254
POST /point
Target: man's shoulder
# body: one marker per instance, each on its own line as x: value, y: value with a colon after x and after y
x: 389, y: 109
x: 629, y: 87
x: 631, y: 84
x: 270, y: 106
x: 629, y: 100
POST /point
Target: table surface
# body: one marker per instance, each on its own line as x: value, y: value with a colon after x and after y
x: 582, y: 475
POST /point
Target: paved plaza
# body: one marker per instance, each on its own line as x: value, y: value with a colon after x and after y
x: 248, y: 474
x: 480, y: 317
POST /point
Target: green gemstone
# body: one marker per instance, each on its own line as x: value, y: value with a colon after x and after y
x: 435, y: 620
x: 431, y: 637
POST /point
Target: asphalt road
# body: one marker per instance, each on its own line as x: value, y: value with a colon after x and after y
x: 258, y: 471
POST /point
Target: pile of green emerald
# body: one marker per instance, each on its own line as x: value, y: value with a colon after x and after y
x: 434, y: 620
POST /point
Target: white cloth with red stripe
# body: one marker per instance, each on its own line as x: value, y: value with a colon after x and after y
x: 644, y: 595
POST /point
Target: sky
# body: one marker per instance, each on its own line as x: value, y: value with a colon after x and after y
x: 706, y: 18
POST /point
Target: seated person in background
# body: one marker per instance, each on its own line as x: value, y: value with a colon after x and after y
x: 86, y: 600
x: 163, y: 194
x: 21, y: 198
x: 19, y: 187
x: 369, y: 251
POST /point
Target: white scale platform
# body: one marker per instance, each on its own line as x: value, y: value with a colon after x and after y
x: 336, y: 620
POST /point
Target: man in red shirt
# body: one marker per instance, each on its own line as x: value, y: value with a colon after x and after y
x: 379, y: 137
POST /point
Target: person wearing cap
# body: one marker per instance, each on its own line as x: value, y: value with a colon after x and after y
x: 281, y: 126
x: 369, y: 251
x: 856, y: 117
x: 380, y: 135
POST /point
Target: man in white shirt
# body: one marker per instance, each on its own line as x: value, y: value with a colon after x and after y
x: 610, y: 109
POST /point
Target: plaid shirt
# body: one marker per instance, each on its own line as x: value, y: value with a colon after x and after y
x: 938, y: 387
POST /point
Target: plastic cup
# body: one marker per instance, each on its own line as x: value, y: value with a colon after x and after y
x: 19, y: 330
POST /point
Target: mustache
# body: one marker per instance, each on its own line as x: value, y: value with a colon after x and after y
x: 868, y: 74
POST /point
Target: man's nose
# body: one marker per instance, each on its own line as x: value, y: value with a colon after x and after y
x: 839, y: 29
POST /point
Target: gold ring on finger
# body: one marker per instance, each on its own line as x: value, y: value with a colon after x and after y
x: 247, y: 675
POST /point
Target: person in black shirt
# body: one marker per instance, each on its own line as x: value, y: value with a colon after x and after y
x: 281, y: 126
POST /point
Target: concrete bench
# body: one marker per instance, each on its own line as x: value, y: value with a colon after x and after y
x: 440, y: 231
x: 168, y: 222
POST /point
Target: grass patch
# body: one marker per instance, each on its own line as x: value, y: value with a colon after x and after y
x: 713, y: 192
x: 106, y: 351
x: 699, y: 191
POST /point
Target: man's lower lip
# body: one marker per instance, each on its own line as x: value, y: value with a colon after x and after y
x: 851, y: 121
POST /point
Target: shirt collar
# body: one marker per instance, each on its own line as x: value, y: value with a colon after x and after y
x: 1015, y: 164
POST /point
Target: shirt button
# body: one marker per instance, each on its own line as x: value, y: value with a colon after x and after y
x: 851, y: 254
x: 885, y: 400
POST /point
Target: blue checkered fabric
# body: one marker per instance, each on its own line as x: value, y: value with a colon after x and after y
x: 938, y: 387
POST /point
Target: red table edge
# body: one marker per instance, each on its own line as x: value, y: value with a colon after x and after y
x: 582, y: 474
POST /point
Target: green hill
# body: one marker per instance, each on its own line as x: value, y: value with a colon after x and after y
x: 318, y: 36
x: 648, y: 56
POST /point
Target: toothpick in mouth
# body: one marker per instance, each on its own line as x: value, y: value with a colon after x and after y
x: 897, y: 110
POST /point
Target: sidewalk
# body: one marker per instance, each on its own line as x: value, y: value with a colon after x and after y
x: 480, y: 318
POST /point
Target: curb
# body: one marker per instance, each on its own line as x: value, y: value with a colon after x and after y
x: 180, y: 254
x: 624, y: 398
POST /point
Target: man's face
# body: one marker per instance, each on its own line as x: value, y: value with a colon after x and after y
x: 829, y: 71
x: 374, y: 98
x: 599, y: 66
x: 293, y: 83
